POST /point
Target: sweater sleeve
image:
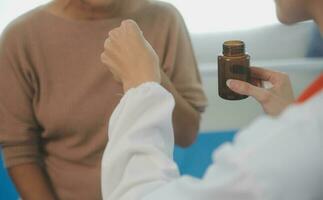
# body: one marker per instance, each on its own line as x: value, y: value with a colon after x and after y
x: 18, y: 127
x: 180, y: 63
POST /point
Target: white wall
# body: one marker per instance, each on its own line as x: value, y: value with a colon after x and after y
x: 268, y: 42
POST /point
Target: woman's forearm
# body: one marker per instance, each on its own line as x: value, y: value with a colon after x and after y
x: 186, y: 119
x: 125, y: 66
x: 31, y: 182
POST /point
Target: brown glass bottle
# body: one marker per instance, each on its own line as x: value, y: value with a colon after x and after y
x: 233, y: 64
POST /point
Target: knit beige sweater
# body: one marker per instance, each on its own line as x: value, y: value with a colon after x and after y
x: 56, y: 96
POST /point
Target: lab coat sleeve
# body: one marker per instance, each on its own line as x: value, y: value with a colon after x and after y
x: 272, y: 159
x: 138, y: 156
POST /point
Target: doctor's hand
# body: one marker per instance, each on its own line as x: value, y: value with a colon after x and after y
x: 274, y: 99
x: 129, y: 56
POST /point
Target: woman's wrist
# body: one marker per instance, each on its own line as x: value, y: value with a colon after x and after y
x: 133, y: 84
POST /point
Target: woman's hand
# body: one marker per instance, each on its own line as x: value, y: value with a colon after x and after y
x: 129, y: 56
x: 273, y: 100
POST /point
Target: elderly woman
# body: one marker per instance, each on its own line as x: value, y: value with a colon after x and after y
x: 56, y: 96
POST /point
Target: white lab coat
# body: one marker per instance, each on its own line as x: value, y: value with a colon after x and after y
x: 273, y: 159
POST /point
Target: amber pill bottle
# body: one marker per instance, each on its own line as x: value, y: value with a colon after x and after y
x: 233, y: 64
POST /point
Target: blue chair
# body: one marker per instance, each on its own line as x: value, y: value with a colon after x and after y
x: 191, y: 161
x: 195, y: 159
x: 7, y: 189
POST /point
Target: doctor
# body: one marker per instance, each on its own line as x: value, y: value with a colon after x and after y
x: 274, y: 158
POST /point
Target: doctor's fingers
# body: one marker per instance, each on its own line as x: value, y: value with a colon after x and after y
x: 274, y: 77
x: 241, y: 87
